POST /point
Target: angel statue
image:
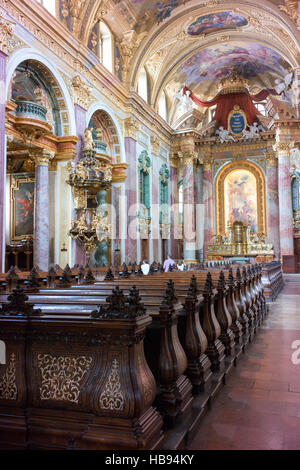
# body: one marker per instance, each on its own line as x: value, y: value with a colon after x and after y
x: 253, y: 131
x: 283, y: 87
x: 224, y: 135
x: 185, y: 101
x: 88, y: 137
x: 295, y: 158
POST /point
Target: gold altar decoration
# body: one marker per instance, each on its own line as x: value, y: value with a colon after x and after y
x: 234, y: 83
x: 239, y: 241
x: 220, y: 199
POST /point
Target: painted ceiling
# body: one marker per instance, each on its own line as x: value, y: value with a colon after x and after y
x: 204, y: 69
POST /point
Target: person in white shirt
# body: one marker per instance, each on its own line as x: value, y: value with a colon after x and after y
x: 145, y: 267
x: 180, y: 265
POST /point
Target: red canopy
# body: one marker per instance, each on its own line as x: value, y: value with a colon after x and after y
x: 226, y: 102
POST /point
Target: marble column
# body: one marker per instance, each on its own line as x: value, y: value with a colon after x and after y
x: 208, y: 205
x: 3, y: 57
x: 286, y: 229
x: 131, y: 193
x: 273, y: 204
x: 173, y: 246
x: 41, y: 212
x: 6, y: 31
x: 199, y: 211
x: 189, y: 243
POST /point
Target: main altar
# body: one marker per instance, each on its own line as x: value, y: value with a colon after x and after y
x: 240, y: 241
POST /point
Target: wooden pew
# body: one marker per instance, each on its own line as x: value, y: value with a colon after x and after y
x: 82, y: 379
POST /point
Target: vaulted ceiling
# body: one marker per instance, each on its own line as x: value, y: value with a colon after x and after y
x: 196, y: 42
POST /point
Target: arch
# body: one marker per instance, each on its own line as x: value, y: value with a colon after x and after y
x: 219, y: 194
x: 99, y: 106
x: 22, y: 55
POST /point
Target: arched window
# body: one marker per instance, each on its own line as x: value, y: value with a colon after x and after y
x: 162, y: 106
x: 49, y: 5
x: 143, y: 85
x: 106, y: 49
x: 144, y: 164
x: 164, y: 175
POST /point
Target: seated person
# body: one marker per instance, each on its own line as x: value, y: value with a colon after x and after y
x: 145, y: 267
x: 168, y: 262
x: 181, y: 265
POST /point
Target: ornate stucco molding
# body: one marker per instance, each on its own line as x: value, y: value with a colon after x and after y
x: 132, y: 127
x: 82, y: 92
x: 291, y: 9
x: 127, y: 46
x: 7, y: 28
x: 155, y: 144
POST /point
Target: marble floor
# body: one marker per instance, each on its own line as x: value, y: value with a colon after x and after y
x: 259, y: 407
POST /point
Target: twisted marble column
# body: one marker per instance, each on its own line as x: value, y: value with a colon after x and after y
x: 273, y: 204
x: 199, y: 210
x: 285, y: 200
x: 208, y: 205
x: 189, y: 209
x: 41, y: 212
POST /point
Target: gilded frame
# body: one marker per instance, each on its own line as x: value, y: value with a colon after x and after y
x: 16, y: 186
x: 236, y: 109
x: 220, y: 200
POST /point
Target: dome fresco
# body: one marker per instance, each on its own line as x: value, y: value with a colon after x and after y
x: 253, y: 61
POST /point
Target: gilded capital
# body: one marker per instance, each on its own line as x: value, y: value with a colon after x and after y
x: 43, y: 156
x: 81, y: 92
x: 187, y: 158
x: 6, y: 31
x: 207, y: 163
x: 132, y: 127
x: 271, y: 159
x: 282, y: 148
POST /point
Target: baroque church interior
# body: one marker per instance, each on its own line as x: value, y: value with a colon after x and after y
x: 149, y: 224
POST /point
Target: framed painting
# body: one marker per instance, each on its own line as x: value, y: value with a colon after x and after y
x: 22, y: 208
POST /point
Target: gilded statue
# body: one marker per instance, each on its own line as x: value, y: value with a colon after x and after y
x: 89, y: 143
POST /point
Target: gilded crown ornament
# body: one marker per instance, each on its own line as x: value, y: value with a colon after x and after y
x: 234, y: 83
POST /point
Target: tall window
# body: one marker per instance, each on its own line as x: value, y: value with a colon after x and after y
x: 49, y: 5
x: 106, y: 55
x: 143, y: 85
x: 162, y: 106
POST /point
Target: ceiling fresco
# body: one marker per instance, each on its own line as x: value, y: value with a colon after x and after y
x: 216, y: 22
x: 203, y: 70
